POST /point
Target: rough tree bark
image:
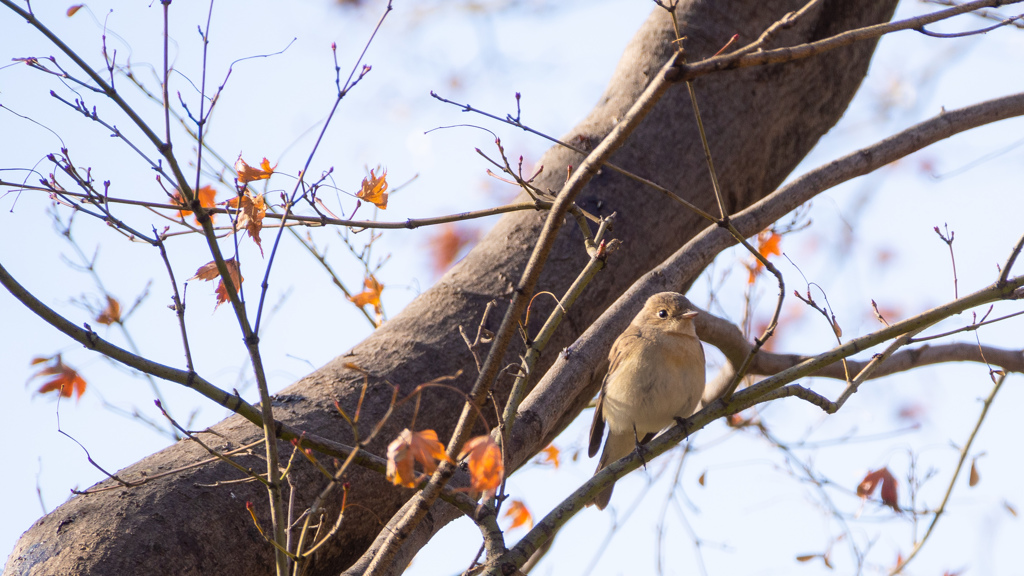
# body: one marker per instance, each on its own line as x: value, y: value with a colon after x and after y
x: 761, y: 122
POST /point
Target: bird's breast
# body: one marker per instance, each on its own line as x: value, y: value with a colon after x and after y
x: 651, y: 387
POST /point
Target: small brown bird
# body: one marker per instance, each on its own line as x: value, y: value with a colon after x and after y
x: 655, y: 375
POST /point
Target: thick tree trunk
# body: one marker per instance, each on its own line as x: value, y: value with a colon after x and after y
x: 761, y: 122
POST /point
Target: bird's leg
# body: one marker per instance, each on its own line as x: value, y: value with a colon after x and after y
x: 639, y: 447
x: 684, y: 423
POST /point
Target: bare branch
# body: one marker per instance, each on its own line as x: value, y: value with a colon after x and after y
x: 568, y: 379
x: 752, y: 55
x: 952, y: 481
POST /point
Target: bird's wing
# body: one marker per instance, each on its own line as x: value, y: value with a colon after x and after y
x: 615, y: 357
x: 597, y: 426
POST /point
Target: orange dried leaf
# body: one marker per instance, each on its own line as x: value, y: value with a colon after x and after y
x: 485, y: 466
x: 975, y: 477
x: 550, y: 455
x: 400, y: 463
x: 411, y: 447
x: 519, y: 514
x: 251, y: 210
x: 111, y: 314
x: 209, y: 271
x: 767, y: 245
x: 889, y: 495
x: 888, y: 482
x: 73, y: 9
x: 236, y: 279
x: 65, y: 381
x: 867, y: 486
x: 375, y: 189
x: 206, y: 195
x: 447, y: 243
x: 371, y: 295
x: 737, y: 420
x: 703, y: 478
x: 248, y: 173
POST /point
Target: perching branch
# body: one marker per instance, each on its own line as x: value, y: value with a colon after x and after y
x: 742, y: 400
x: 573, y: 377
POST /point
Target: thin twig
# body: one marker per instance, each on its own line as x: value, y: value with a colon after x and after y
x: 537, y: 344
x: 751, y: 56
x: 948, y: 239
x: 219, y: 456
x: 1005, y: 273
x: 986, y: 14
x: 314, y: 221
x: 952, y: 481
x: 1004, y: 22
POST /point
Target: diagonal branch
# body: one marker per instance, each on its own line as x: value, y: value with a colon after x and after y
x: 558, y: 393
x: 728, y: 338
x: 767, y: 388
x: 419, y: 505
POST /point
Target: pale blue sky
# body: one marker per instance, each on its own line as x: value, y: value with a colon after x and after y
x: 752, y: 516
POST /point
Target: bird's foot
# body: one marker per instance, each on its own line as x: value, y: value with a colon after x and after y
x: 684, y: 423
x: 640, y: 450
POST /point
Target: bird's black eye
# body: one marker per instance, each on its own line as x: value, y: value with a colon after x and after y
x: 662, y: 313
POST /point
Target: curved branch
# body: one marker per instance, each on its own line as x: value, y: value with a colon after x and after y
x: 557, y: 397
x: 728, y: 338
x: 768, y: 388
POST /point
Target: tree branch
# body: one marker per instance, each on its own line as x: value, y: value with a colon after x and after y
x: 571, y: 379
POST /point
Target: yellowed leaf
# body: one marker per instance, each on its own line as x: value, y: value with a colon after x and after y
x: 66, y: 380
x: 251, y: 210
x: 207, y: 199
x: 209, y: 271
x: 111, y: 314
x: 486, y: 469
x: 519, y: 514
x: 411, y: 447
x: 248, y: 173
x: 551, y: 455
x: 374, y: 189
